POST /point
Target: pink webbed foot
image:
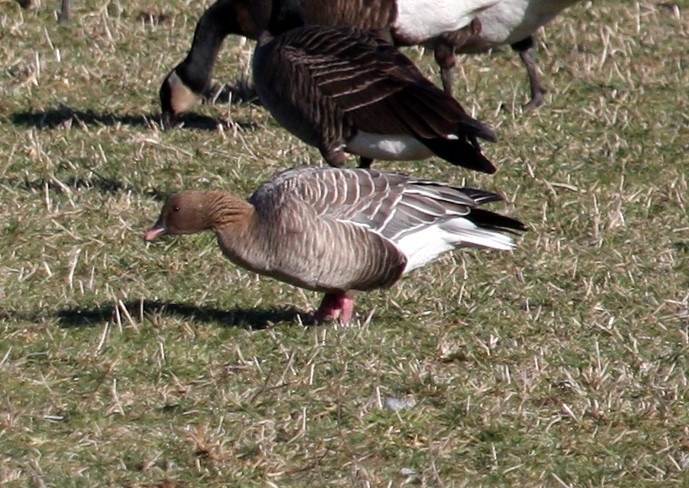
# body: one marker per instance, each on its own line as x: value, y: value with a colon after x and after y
x: 335, y: 306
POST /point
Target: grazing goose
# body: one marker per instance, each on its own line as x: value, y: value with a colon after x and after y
x: 339, y: 231
x: 482, y: 25
x: 343, y: 89
x: 402, y: 22
x: 187, y: 83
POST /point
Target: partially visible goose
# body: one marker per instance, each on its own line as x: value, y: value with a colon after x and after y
x: 187, y: 83
x: 343, y: 89
x: 479, y: 25
x: 402, y: 22
x: 339, y: 231
x: 514, y: 22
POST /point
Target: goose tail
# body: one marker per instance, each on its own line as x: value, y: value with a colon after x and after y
x: 464, y: 151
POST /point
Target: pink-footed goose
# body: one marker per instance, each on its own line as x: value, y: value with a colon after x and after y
x: 345, y: 90
x: 479, y: 26
x: 340, y: 231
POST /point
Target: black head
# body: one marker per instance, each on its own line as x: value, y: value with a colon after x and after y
x: 176, y: 97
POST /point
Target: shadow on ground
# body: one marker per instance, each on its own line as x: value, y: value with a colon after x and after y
x: 67, y: 117
x: 153, y: 310
x: 236, y: 94
x: 96, y: 182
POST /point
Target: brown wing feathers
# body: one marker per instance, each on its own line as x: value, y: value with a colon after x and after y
x: 391, y: 204
x: 374, y: 88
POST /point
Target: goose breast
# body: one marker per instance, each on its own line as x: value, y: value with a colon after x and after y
x: 420, y: 20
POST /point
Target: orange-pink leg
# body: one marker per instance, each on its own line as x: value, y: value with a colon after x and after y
x: 335, y: 306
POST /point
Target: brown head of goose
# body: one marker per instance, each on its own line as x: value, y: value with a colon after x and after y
x: 345, y: 90
x: 339, y: 231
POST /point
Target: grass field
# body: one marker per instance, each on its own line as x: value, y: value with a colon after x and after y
x: 563, y: 363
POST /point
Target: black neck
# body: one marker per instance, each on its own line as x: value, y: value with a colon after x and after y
x: 286, y: 15
x: 215, y: 24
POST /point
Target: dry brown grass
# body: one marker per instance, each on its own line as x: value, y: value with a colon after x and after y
x: 561, y: 364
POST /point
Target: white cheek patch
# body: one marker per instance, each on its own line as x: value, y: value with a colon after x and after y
x: 420, y: 20
x: 387, y: 147
x: 183, y: 99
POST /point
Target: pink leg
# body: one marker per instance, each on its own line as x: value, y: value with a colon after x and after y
x: 335, y: 306
x: 347, y: 309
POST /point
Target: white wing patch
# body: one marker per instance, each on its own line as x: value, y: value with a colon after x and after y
x: 425, y: 245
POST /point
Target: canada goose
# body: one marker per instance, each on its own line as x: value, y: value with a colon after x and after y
x: 514, y: 22
x: 340, y: 231
x: 493, y: 23
x: 394, y: 20
x: 184, y: 86
x: 343, y: 89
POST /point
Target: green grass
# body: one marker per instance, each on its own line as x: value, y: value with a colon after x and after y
x: 561, y: 364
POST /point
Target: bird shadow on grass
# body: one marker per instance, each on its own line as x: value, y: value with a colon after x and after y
x: 238, y: 93
x: 152, y: 310
x: 95, y: 181
x: 66, y: 117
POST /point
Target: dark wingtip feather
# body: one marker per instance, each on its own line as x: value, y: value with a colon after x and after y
x: 460, y: 153
x: 481, y: 196
x: 491, y: 220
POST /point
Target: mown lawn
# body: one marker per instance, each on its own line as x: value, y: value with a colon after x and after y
x: 563, y: 363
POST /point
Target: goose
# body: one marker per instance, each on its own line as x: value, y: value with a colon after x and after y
x: 394, y: 20
x: 339, y: 231
x: 345, y: 90
x: 485, y: 24
x: 512, y: 22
